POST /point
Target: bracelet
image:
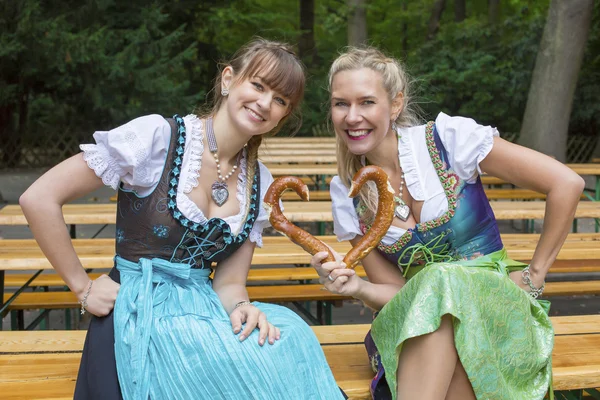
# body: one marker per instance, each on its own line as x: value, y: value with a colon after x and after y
x: 242, y: 303
x: 535, y: 292
x: 85, y: 296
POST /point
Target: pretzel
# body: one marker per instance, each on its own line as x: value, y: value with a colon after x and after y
x: 381, y: 224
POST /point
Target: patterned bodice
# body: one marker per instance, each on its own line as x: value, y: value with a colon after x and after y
x: 153, y: 226
x: 467, y: 230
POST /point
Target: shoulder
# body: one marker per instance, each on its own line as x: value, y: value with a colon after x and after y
x: 448, y: 126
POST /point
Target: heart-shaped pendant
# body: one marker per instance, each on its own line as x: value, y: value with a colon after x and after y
x: 402, y: 211
x: 220, y: 194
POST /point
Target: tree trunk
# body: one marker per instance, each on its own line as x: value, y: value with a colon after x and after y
x: 434, y: 20
x: 493, y: 11
x: 404, y: 30
x: 306, y: 44
x: 357, y: 23
x: 460, y: 10
x: 546, y: 120
x: 7, y: 135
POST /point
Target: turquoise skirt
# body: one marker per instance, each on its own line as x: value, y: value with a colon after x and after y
x: 174, y: 340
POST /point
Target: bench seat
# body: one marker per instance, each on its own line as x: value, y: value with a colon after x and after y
x: 44, y: 364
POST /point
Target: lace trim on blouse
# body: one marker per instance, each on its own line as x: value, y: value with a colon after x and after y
x: 103, y: 165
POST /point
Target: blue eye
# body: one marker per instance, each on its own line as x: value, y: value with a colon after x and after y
x: 257, y: 85
x: 340, y: 104
x: 281, y: 101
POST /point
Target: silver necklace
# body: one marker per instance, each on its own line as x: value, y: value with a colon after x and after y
x: 402, y: 209
x: 220, y: 193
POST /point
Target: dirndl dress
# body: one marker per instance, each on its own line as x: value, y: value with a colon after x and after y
x: 169, y: 336
x: 456, y: 265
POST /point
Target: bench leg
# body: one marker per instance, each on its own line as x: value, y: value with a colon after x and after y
x: 13, y: 320
x: 569, y: 395
x: 20, y: 320
x: 68, y: 319
x: 575, y: 225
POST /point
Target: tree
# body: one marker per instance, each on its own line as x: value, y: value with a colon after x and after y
x: 357, y: 23
x: 460, y: 10
x: 546, y: 121
x: 493, y: 11
x: 434, y: 20
x: 306, y: 44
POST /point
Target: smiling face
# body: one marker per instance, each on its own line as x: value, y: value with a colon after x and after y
x: 361, y: 110
x: 254, y: 107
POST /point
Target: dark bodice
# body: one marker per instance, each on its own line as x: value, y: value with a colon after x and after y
x: 153, y: 226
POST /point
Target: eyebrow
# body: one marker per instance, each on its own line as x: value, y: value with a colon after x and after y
x: 360, y: 98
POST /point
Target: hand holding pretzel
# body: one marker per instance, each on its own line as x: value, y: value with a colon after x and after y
x: 381, y: 224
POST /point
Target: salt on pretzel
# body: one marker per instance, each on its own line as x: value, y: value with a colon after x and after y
x: 381, y: 224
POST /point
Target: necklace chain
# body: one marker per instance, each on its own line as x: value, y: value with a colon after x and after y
x: 212, y: 147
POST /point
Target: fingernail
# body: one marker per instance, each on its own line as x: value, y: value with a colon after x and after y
x: 344, y: 264
x: 242, y: 337
x: 261, y: 342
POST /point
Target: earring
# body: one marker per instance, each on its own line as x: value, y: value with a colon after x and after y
x: 394, y: 125
x: 224, y: 92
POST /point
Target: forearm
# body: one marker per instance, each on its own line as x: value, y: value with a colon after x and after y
x: 376, y: 295
x: 49, y: 230
x: 230, y: 294
x: 561, y: 204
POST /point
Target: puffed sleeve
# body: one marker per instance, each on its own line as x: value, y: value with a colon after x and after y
x: 262, y: 221
x: 133, y: 153
x: 345, y: 219
x: 467, y: 143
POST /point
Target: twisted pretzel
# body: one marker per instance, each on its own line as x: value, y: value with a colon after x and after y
x: 381, y: 224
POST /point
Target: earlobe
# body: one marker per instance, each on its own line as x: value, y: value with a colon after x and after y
x: 226, y: 80
x: 397, y: 105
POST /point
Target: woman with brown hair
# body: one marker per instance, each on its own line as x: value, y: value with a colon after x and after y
x: 189, y: 198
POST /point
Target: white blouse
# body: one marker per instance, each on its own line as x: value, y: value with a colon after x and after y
x: 467, y: 144
x: 135, y: 154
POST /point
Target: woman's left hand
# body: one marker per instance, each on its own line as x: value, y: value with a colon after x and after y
x: 517, y: 278
x: 253, y: 318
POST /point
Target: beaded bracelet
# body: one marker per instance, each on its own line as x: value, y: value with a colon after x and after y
x: 535, y: 292
x: 83, y: 302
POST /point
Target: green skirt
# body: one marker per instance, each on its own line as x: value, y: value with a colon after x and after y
x: 503, y: 336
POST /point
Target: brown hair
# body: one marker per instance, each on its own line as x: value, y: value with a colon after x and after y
x: 280, y: 68
x: 395, y: 80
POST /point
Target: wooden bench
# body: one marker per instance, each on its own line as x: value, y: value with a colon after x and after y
x: 24, y: 254
x: 296, y: 211
x: 44, y: 364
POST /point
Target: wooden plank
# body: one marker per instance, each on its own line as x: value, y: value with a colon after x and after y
x: 264, y: 275
x: 576, y: 365
x: 315, y: 211
x: 12, y: 342
x: 284, y: 159
x: 24, y: 254
x: 272, y: 294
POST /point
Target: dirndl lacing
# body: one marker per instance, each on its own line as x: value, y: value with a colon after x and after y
x: 154, y: 289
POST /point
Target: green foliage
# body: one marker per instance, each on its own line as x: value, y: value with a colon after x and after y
x: 478, y: 70
x: 79, y: 66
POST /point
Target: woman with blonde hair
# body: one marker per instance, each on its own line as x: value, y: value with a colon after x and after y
x: 189, y: 200
x: 457, y: 319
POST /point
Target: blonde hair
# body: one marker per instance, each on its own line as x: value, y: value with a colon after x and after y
x: 281, y: 70
x: 395, y: 80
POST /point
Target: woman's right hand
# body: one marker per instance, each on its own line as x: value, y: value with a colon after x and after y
x: 102, y: 296
x: 335, y: 276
